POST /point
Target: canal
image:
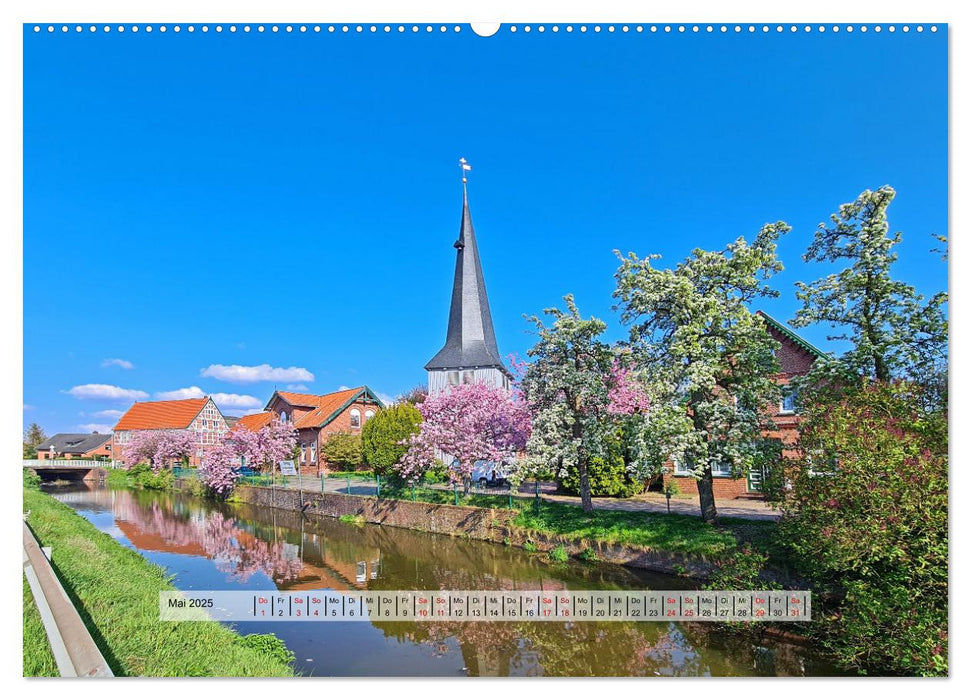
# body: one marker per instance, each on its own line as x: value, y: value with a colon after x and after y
x: 210, y: 546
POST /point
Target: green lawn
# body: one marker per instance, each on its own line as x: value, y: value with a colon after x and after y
x: 116, y: 592
x: 38, y: 660
x: 685, y: 534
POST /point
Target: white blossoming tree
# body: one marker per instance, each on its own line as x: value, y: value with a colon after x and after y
x: 707, y: 358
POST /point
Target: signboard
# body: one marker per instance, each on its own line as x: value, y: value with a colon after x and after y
x: 288, y: 468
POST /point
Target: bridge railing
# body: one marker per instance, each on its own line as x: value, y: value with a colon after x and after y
x: 80, y: 463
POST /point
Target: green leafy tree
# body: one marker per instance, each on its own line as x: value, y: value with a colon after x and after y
x: 708, y: 361
x: 865, y: 516
x: 567, y: 387
x: 892, y: 330
x: 342, y: 450
x: 608, y: 474
x: 34, y: 436
x: 384, y: 438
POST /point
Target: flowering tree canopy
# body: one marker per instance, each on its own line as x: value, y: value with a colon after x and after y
x: 567, y: 387
x: 220, y: 468
x: 258, y: 449
x: 708, y: 359
x: 263, y: 448
x: 159, y: 447
x: 468, y: 423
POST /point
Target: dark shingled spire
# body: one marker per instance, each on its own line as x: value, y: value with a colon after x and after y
x: 471, y: 339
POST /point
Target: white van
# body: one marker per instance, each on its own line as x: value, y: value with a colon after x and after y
x: 488, y: 473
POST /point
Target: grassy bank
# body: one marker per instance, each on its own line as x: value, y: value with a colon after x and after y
x: 684, y: 534
x: 116, y: 593
x: 38, y: 660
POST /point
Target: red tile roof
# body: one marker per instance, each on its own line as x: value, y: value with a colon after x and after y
x: 157, y: 415
x: 325, y: 407
x: 305, y: 400
x: 255, y: 421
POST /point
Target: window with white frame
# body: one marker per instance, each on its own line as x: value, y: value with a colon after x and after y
x: 788, y: 403
x: 684, y: 468
x: 355, y: 418
x: 283, y: 417
x: 313, y: 452
x: 453, y: 378
x: 368, y: 415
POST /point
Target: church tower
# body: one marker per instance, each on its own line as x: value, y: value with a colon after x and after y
x: 470, y: 353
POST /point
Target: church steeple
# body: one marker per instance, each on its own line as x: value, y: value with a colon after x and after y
x: 470, y: 343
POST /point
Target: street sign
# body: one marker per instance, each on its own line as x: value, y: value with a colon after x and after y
x: 288, y: 468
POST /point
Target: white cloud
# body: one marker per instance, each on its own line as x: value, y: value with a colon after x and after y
x: 225, y: 401
x: 241, y: 374
x: 106, y: 391
x: 94, y: 428
x: 297, y: 387
x: 386, y: 399
x: 343, y: 387
x: 189, y: 392
x: 124, y: 364
x: 109, y: 413
x: 28, y: 407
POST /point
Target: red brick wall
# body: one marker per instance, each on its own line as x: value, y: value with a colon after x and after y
x: 342, y: 423
x: 722, y: 487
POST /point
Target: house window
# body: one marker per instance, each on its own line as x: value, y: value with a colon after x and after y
x: 468, y: 376
x: 684, y: 468
x: 681, y: 468
x: 788, y: 404
x: 313, y: 453
x: 368, y: 415
x: 283, y: 416
x: 355, y: 418
x: 453, y: 378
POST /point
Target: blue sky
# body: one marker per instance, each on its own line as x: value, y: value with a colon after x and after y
x: 287, y: 203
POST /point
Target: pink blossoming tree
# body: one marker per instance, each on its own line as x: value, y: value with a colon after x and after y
x: 159, y: 447
x: 468, y: 423
x: 259, y: 449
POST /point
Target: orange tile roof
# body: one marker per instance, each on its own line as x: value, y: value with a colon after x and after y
x: 305, y: 399
x: 255, y: 421
x: 326, y: 407
x: 156, y: 415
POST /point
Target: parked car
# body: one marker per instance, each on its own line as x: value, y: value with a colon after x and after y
x: 489, y: 473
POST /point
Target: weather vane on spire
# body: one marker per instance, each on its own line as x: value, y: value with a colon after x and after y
x: 465, y: 168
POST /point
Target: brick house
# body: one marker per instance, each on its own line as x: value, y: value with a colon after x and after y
x: 796, y: 357
x: 76, y: 446
x: 201, y: 416
x: 315, y: 417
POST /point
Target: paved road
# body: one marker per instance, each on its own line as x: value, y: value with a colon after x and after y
x: 644, y: 503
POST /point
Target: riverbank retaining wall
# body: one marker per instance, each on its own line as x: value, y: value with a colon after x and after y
x: 490, y: 524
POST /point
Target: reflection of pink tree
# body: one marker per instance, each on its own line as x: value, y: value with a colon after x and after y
x: 470, y: 422
x: 234, y: 550
x: 159, y: 447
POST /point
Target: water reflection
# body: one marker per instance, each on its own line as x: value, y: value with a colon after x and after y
x: 206, y: 545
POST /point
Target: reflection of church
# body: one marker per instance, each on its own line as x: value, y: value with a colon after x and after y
x: 470, y: 353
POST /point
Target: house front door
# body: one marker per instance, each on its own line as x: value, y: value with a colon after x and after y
x: 756, y: 477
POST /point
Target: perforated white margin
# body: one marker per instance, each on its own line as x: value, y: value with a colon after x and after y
x: 482, y: 29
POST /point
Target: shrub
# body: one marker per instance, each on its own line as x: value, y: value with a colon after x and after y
x: 608, y: 477
x: 530, y: 547
x: 31, y: 480
x: 558, y: 553
x: 383, y: 435
x: 866, y: 517
x: 342, y: 450
x: 588, y: 554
